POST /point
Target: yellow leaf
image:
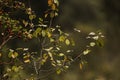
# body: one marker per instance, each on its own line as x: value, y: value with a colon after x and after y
x: 14, y: 55
x: 50, y: 2
x: 81, y: 67
x: 0, y: 54
x: 49, y: 34
x: 27, y: 61
x: 53, y: 7
x: 51, y: 56
x: 62, y: 38
x: 43, y: 33
x: 58, y: 71
x: 67, y: 42
x: 15, y: 68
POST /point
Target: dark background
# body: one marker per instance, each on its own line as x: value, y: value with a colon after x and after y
x: 87, y: 15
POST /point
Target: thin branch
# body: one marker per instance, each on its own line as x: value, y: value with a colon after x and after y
x: 77, y: 57
x: 7, y: 62
x: 5, y: 41
x: 35, y: 66
x: 46, y: 75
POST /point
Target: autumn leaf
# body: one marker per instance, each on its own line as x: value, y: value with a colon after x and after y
x: 0, y: 54
x: 50, y: 2
x: 81, y: 66
x: 53, y: 7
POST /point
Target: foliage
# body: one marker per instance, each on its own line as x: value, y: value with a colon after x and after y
x: 51, y: 40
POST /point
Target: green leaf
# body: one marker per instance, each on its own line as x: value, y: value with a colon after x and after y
x: 43, y: 33
x: 12, y: 54
x: 37, y: 32
x: 59, y: 29
x: 15, y: 68
x: 67, y: 41
x: 100, y: 42
x: 52, y: 14
x: 49, y: 34
x: 58, y: 71
x: 40, y: 19
x: 52, y: 40
x: 72, y: 42
x: 25, y: 23
x: 62, y: 38
x: 31, y: 17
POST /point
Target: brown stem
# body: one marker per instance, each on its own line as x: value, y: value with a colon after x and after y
x: 4, y: 42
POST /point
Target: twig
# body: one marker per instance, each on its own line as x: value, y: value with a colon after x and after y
x: 5, y: 41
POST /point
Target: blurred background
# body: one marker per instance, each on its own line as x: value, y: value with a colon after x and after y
x: 92, y: 15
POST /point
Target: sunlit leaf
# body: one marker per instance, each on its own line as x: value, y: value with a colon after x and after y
x: 25, y: 23
x: 81, y: 66
x: 43, y: 33
x: 62, y: 38
x: 95, y: 37
x: 51, y: 56
x: 92, y: 44
x: 46, y: 15
x: 61, y: 54
x: 15, y: 68
x: 72, y: 42
x: 0, y: 54
x: 45, y: 56
x: 31, y: 17
x: 77, y: 30
x: 29, y: 36
x: 40, y: 19
x: 92, y: 33
x: 49, y: 34
x: 56, y: 2
x: 37, y: 32
x: 48, y: 49
x: 27, y: 61
x: 29, y: 11
x: 86, y: 51
x: 52, y: 40
x: 50, y: 2
x: 12, y: 54
x: 58, y: 71
x: 53, y: 7
x: 25, y: 49
x: 67, y: 41
x: 53, y: 63
x: 56, y: 14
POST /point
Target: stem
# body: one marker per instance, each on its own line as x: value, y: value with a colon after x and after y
x: 4, y: 42
x: 77, y: 57
x: 35, y: 66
